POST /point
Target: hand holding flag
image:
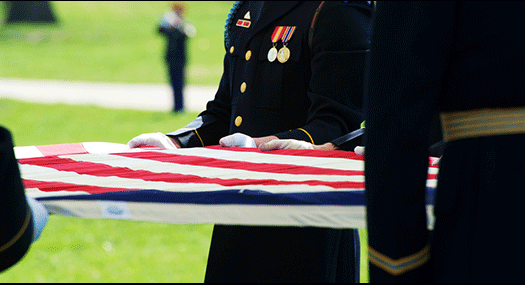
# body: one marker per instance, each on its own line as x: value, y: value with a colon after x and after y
x: 237, y: 139
x: 152, y: 139
x: 285, y: 144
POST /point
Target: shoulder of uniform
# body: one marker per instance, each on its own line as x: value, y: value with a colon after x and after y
x: 332, y: 7
x: 229, y: 21
x: 335, y: 13
x: 364, y: 4
x: 367, y: 5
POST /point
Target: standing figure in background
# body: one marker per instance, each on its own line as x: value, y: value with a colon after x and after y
x: 176, y: 31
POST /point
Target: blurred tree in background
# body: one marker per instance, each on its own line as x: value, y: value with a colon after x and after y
x: 29, y: 11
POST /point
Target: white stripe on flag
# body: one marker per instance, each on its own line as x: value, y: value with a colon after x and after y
x: 36, y: 193
x: 33, y: 172
x: 27, y: 152
x: 255, y: 157
x: 205, y: 171
x: 285, y: 215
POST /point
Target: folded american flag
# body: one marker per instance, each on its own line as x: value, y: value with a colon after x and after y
x: 213, y: 185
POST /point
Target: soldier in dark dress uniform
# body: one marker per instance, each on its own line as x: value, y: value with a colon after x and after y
x: 177, y: 32
x: 290, y: 73
x: 16, y: 224
x: 466, y: 61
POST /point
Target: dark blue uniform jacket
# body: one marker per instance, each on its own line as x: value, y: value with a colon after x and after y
x: 429, y: 57
x: 16, y: 224
x: 315, y: 96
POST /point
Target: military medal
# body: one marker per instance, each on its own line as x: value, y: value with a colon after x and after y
x: 272, y: 54
x: 284, y: 53
x: 276, y: 36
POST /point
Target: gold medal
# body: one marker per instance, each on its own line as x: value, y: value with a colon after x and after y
x: 283, y: 55
x: 272, y: 54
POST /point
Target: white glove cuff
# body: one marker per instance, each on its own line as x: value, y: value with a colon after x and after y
x: 40, y: 217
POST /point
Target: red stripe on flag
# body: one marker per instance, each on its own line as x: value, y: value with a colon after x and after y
x: 101, y: 170
x: 70, y: 187
x: 295, y: 152
x: 303, y: 152
x: 59, y: 149
x: 241, y: 165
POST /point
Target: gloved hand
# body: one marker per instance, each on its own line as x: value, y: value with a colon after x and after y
x: 152, y: 139
x: 359, y: 150
x: 285, y: 144
x: 40, y: 217
x: 237, y: 139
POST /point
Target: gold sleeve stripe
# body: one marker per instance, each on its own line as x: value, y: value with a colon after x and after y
x: 197, y: 133
x: 311, y: 139
x: 20, y: 232
x: 482, y: 122
x: 399, y: 266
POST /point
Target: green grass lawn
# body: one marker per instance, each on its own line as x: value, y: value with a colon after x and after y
x: 114, y: 41
x: 83, y: 250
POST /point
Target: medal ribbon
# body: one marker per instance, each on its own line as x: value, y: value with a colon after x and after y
x: 288, y: 34
x: 277, y: 34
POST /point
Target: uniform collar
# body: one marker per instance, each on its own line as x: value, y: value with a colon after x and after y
x: 271, y: 11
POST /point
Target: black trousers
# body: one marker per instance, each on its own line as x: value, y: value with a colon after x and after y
x: 283, y: 254
x: 176, y: 73
x: 479, y: 211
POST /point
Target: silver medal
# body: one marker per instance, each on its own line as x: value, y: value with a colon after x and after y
x: 272, y: 54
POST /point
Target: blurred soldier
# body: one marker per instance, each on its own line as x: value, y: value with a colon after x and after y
x: 176, y: 31
x: 466, y: 61
x: 22, y: 220
x: 292, y: 70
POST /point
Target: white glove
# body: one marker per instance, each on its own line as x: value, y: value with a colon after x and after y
x: 40, y: 217
x: 152, y: 139
x: 237, y: 139
x: 359, y: 150
x: 285, y: 144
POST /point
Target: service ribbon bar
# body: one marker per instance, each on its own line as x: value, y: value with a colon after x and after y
x: 243, y: 23
x: 277, y: 33
x: 288, y: 33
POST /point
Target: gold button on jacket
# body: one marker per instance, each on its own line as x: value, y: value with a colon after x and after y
x: 243, y: 87
x: 238, y: 121
x: 248, y: 55
x: 232, y: 49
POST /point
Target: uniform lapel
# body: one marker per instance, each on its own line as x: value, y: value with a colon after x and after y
x: 271, y: 11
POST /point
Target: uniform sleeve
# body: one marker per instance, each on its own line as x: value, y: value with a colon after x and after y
x: 16, y: 225
x: 213, y: 123
x: 410, y: 44
x: 340, y: 47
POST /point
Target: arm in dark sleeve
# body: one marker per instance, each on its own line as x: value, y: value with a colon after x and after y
x: 409, y: 49
x: 340, y: 46
x: 16, y: 224
x: 213, y: 123
x: 349, y: 141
